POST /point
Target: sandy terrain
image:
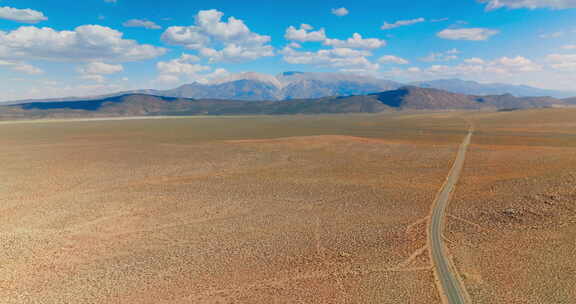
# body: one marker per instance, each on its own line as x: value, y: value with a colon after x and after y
x: 513, y: 224
x: 222, y: 210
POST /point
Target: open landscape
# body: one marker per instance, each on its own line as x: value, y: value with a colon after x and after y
x: 196, y: 211
x: 512, y: 222
x: 312, y: 209
x: 279, y: 152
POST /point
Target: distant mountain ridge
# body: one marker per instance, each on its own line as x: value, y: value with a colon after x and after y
x: 304, y: 85
x: 290, y: 85
x: 476, y: 88
x: 404, y: 98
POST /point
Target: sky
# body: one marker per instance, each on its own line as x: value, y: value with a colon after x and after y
x: 78, y: 48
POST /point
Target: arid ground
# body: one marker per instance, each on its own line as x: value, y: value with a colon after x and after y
x: 512, y: 228
x: 325, y: 209
x: 291, y: 209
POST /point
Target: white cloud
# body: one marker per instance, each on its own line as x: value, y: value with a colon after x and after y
x: 551, y: 35
x: 474, y: 60
x: 562, y: 62
x: 516, y: 64
x: 95, y: 71
x: 21, y: 15
x: 340, y: 11
x: 530, y: 4
x: 399, y: 23
x: 472, y: 34
x: 21, y: 67
x: 85, y: 43
x: 142, y: 23
x: 295, y: 45
x: 235, y: 53
x: 219, y: 40
x: 93, y: 77
x: 392, y: 59
x: 101, y: 68
x: 186, y: 68
x: 569, y: 47
x: 413, y: 70
x: 442, y: 56
x: 305, y: 33
x: 47, y: 90
x: 504, y: 68
x: 110, y: 1
x: 356, y: 42
x: 341, y: 58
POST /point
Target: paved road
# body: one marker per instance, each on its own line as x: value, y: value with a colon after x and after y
x: 451, y: 286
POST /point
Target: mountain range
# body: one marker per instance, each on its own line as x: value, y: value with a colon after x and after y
x: 404, y: 98
x: 285, y: 86
x: 476, y: 88
x: 297, y: 85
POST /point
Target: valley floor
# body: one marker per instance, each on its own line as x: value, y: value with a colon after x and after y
x: 291, y: 209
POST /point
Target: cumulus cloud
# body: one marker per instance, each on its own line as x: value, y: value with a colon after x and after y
x: 295, y: 45
x: 101, y: 68
x: 442, y: 56
x: 341, y: 58
x: 218, y: 40
x: 186, y: 68
x: 516, y: 64
x: 21, y: 67
x: 562, y: 62
x: 472, y: 34
x: 477, y: 68
x: 399, y: 23
x: 340, y: 11
x: 142, y: 23
x: 530, y: 4
x: 95, y: 71
x: 386, y: 59
x: 474, y: 60
x: 85, y: 43
x: 21, y: 15
x: 93, y: 77
x: 356, y: 42
x: 305, y: 33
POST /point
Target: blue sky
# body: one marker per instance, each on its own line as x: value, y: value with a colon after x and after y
x: 99, y: 46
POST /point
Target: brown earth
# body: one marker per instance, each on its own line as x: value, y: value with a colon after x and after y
x: 172, y: 211
x: 323, y: 209
x: 512, y: 229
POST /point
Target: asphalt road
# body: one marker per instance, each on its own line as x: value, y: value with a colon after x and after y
x: 451, y: 286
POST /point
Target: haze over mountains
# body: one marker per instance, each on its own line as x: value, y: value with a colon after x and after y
x: 404, y: 98
x: 293, y: 93
x: 476, y: 88
x: 288, y: 85
x: 297, y: 85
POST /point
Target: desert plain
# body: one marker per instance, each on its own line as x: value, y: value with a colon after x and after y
x: 286, y: 209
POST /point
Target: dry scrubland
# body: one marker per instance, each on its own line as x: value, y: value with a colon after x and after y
x: 324, y: 209
x: 513, y: 217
